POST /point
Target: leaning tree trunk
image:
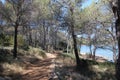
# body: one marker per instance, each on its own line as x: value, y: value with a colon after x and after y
x: 15, y: 41
x: 75, y: 48
x: 78, y: 62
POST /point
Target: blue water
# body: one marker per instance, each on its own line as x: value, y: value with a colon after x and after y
x: 99, y: 52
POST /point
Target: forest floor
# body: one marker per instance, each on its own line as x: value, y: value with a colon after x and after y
x: 38, y: 65
x: 39, y: 69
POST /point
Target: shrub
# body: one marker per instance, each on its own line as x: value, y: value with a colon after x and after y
x: 7, y: 41
x: 4, y: 40
x: 11, y: 41
x: 25, y: 47
x: 2, y: 37
x: 21, y: 43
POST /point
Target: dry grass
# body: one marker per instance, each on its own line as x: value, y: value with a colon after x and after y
x: 15, y: 67
x: 12, y: 68
x: 33, y: 52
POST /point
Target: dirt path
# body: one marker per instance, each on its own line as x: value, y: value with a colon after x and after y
x: 40, y: 69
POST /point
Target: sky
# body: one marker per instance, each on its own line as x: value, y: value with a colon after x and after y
x: 86, y: 3
x: 3, y: 1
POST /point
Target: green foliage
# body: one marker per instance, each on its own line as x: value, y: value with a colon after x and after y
x: 42, y: 9
x: 21, y: 43
x: 92, y: 62
x: 11, y: 40
x: 107, y: 64
x: 25, y: 46
x: 42, y: 53
x: 2, y: 37
x: 5, y: 40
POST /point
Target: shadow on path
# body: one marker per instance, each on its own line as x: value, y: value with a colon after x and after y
x: 38, y: 70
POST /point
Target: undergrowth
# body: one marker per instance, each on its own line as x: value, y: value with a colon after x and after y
x: 94, y: 71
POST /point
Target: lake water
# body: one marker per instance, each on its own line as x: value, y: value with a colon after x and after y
x: 100, y: 52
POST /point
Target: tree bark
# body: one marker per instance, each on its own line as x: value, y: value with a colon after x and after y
x: 15, y: 41
x: 80, y: 46
x: 30, y: 41
x: 118, y: 60
x: 94, y: 52
x: 90, y: 48
x: 67, y: 43
x: 75, y: 48
x: 116, y: 11
x: 44, y: 36
x: 90, y: 45
x: 117, y: 25
x: 35, y: 41
x: 114, y: 54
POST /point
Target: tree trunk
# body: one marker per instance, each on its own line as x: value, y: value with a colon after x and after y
x: 75, y: 48
x: 117, y: 25
x: 78, y: 62
x: 80, y: 46
x: 118, y: 63
x: 90, y: 45
x: 68, y: 43
x: 67, y: 48
x: 118, y: 60
x: 35, y: 42
x: 55, y: 39
x: 47, y: 39
x: 94, y: 53
x: 44, y: 36
x: 90, y: 48
x: 114, y: 54
x: 30, y: 37
x: 15, y: 41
